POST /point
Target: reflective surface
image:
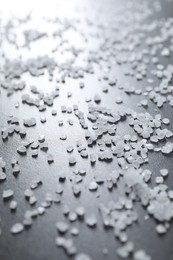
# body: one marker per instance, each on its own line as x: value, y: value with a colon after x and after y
x: 38, y: 242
